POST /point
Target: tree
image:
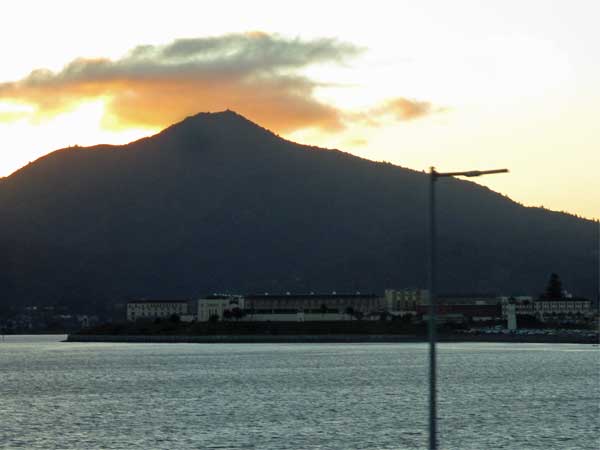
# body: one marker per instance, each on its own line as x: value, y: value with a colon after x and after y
x: 323, y: 308
x: 554, y: 288
x: 175, y: 318
x: 237, y: 313
x: 406, y: 318
x: 227, y: 314
x: 350, y: 311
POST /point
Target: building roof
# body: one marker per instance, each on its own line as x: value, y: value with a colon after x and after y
x: 563, y: 299
x: 468, y: 301
x: 157, y: 301
x: 309, y: 296
x: 469, y: 295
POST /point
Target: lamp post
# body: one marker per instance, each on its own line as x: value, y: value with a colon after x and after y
x: 433, y: 176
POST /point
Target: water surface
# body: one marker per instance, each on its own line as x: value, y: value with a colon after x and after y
x: 295, y: 396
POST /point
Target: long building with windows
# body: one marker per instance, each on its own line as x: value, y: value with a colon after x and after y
x: 288, y: 307
x: 548, y: 309
x: 157, y: 309
x: 313, y: 303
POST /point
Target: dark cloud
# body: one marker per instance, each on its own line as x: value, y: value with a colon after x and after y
x: 155, y: 86
x: 256, y: 74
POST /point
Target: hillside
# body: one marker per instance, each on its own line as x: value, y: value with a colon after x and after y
x: 217, y: 203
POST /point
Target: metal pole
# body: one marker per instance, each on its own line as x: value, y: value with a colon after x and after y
x: 432, y: 321
x: 433, y: 176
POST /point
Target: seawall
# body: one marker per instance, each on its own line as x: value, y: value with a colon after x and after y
x: 342, y: 338
x: 240, y: 339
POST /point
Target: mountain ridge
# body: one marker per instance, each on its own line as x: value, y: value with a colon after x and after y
x: 217, y: 203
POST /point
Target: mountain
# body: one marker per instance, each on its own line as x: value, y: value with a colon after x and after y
x: 217, y: 203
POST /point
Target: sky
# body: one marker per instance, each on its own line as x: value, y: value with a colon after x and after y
x: 457, y: 85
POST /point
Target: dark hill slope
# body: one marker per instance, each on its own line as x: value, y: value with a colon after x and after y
x: 216, y: 203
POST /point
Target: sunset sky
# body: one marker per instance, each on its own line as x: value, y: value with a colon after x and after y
x: 458, y: 85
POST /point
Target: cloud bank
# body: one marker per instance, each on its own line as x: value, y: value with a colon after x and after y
x: 256, y: 74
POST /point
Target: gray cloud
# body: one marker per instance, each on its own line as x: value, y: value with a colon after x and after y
x: 255, y: 74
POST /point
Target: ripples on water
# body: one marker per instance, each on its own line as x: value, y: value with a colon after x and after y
x: 298, y: 396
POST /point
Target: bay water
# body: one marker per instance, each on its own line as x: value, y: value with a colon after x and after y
x: 57, y: 395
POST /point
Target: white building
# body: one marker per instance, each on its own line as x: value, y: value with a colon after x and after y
x: 523, y: 305
x: 569, y: 307
x: 402, y: 301
x: 157, y: 309
x: 216, y: 305
x: 288, y: 307
x: 511, y: 313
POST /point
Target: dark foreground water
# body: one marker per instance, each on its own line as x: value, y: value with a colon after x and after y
x: 302, y: 396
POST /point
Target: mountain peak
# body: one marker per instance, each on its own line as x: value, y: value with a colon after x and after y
x: 226, y: 118
x: 227, y: 114
x: 224, y: 125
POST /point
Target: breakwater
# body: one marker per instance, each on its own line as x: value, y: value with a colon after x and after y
x: 240, y: 339
x: 342, y: 338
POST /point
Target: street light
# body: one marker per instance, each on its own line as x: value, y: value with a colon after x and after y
x: 433, y: 176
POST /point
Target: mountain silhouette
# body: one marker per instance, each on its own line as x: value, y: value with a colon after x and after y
x: 216, y: 203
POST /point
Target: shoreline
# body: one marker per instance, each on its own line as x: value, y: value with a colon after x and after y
x: 331, y: 339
